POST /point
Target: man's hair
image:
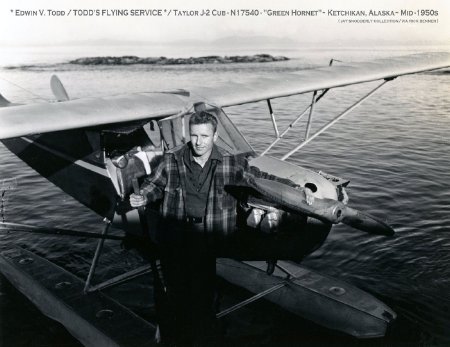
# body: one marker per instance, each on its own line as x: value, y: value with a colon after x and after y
x: 203, y: 117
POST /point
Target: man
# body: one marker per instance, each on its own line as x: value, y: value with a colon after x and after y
x: 197, y: 214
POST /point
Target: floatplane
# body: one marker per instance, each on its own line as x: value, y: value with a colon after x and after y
x: 97, y: 149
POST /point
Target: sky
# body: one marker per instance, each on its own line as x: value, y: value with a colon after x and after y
x: 22, y: 30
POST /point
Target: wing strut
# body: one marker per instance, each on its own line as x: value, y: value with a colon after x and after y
x: 290, y: 126
x: 329, y: 124
x: 311, y: 112
x: 272, y: 116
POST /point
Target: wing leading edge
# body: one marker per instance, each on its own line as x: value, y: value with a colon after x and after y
x: 40, y: 118
x: 287, y: 84
x: 81, y: 113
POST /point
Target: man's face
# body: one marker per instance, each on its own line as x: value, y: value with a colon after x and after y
x: 202, y: 139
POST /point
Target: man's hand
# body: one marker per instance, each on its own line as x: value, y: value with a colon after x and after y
x: 309, y: 197
x: 137, y: 200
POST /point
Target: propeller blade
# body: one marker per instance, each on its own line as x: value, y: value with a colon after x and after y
x: 365, y: 222
x: 58, y: 89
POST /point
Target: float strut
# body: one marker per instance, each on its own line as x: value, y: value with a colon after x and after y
x: 121, y: 278
x: 97, y: 255
x: 250, y: 300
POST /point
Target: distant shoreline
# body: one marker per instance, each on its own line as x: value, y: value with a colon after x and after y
x: 212, y: 59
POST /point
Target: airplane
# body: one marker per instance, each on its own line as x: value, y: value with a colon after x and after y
x: 98, y: 149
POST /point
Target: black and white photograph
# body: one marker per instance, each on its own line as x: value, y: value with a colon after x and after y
x: 224, y: 173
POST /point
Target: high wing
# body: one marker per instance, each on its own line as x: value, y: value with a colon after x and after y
x: 41, y: 118
x: 287, y: 84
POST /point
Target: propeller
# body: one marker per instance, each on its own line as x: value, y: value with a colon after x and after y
x: 327, y: 210
x: 366, y: 222
x: 58, y: 89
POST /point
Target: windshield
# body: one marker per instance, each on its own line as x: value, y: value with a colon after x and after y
x: 175, y: 132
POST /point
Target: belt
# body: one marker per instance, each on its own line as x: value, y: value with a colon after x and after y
x: 194, y: 220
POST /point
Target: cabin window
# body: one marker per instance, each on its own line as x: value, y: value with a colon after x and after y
x: 132, y: 151
x: 175, y: 132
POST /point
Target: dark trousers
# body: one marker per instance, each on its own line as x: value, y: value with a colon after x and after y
x: 189, y: 273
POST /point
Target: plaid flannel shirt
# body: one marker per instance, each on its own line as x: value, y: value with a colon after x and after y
x: 168, y: 182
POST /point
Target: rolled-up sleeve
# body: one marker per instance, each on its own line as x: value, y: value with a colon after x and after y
x: 153, y: 185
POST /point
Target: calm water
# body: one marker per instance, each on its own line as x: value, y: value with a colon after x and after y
x: 395, y: 149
